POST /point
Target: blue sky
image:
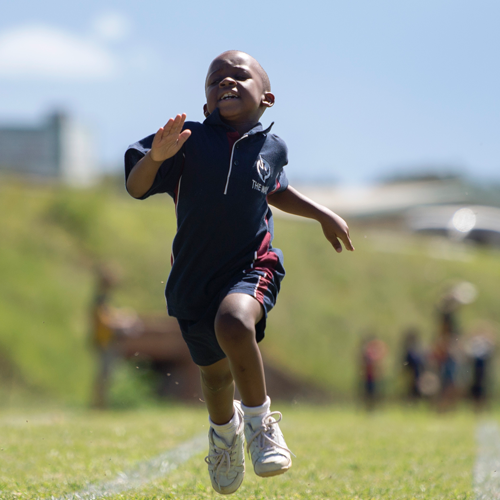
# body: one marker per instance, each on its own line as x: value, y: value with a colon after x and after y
x: 364, y: 89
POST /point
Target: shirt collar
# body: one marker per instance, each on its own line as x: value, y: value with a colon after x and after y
x: 214, y: 119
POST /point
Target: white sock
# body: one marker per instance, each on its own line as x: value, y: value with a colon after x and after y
x: 227, y: 431
x: 255, y: 411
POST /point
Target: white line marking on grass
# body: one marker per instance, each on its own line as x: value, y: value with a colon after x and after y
x: 143, y: 472
x: 487, y: 468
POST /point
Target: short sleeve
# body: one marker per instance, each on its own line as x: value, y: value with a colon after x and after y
x: 281, y: 161
x: 168, y: 175
x: 281, y: 182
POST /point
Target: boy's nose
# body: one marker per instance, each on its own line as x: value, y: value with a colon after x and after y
x: 227, y: 81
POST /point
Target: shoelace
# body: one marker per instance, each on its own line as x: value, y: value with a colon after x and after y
x: 265, y: 432
x: 222, y: 457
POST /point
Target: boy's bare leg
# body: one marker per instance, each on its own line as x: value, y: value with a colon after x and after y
x: 235, y: 329
x: 218, y: 390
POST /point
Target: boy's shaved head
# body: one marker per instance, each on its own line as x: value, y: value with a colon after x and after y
x: 239, y: 88
x: 262, y: 73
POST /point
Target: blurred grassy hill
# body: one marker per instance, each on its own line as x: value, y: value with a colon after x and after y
x: 52, y: 236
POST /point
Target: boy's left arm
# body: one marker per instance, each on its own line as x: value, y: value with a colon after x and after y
x: 334, y: 227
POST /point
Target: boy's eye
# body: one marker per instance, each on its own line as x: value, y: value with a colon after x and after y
x: 240, y: 77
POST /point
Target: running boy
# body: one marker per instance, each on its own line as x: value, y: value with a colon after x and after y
x: 225, y: 275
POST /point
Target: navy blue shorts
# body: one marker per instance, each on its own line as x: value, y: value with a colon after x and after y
x: 200, y: 335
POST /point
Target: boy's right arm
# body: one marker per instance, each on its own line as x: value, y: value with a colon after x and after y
x: 166, y: 143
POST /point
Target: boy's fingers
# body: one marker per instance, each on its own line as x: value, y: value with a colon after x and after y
x: 183, y: 137
x: 347, y: 242
x: 177, y: 128
x: 343, y: 234
x: 179, y: 122
x: 336, y: 244
x: 168, y: 127
x: 158, y: 136
x: 177, y: 125
x: 170, y: 123
x: 173, y: 124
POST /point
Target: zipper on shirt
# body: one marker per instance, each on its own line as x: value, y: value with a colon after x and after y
x: 231, y: 162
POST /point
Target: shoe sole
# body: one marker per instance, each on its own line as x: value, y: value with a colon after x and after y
x: 276, y: 472
x: 228, y: 491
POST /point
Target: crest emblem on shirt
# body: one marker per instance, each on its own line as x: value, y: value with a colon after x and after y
x: 263, y: 169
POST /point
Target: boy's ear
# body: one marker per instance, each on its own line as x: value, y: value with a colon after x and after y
x: 205, y: 111
x: 268, y: 99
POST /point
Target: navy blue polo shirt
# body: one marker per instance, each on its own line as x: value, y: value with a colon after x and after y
x: 219, y: 182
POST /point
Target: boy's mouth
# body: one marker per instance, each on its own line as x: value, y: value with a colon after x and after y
x: 229, y: 95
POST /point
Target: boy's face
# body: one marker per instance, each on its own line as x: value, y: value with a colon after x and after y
x: 234, y: 85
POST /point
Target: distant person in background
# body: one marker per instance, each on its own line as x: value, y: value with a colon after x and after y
x: 480, y: 349
x: 373, y: 352
x: 447, y: 308
x: 445, y: 356
x: 446, y: 353
x: 107, y: 323
x: 449, y: 304
x: 413, y: 363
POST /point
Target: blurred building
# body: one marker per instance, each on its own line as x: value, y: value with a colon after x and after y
x: 389, y: 201
x: 59, y: 148
x: 447, y: 206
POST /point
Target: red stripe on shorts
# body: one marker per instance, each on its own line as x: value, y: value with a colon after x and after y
x: 266, y: 263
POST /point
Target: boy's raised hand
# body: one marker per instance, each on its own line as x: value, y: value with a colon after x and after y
x: 169, y: 139
x: 335, y: 229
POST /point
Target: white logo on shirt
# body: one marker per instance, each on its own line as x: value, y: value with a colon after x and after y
x: 259, y: 187
x: 263, y: 169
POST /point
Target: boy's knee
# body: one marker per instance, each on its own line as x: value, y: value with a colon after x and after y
x: 216, y: 382
x: 233, y: 327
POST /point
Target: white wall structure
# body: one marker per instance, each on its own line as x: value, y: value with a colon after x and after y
x: 59, y: 148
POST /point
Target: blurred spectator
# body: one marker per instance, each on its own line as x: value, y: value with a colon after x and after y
x: 373, y: 352
x: 413, y: 363
x: 447, y: 311
x: 479, y: 349
x: 449, y: 304
x: 446, y: 352
x: 446, y: 357
x: 108, y: 322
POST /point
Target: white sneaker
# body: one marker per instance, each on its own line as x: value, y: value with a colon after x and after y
x: 226, y: 462
x: 266, y: 445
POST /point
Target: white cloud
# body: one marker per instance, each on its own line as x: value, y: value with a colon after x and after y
x: 112, y: 26
x: 43, y: 52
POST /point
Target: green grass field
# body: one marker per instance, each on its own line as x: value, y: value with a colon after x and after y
x: 51, y: 238
x: 341, y: 454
